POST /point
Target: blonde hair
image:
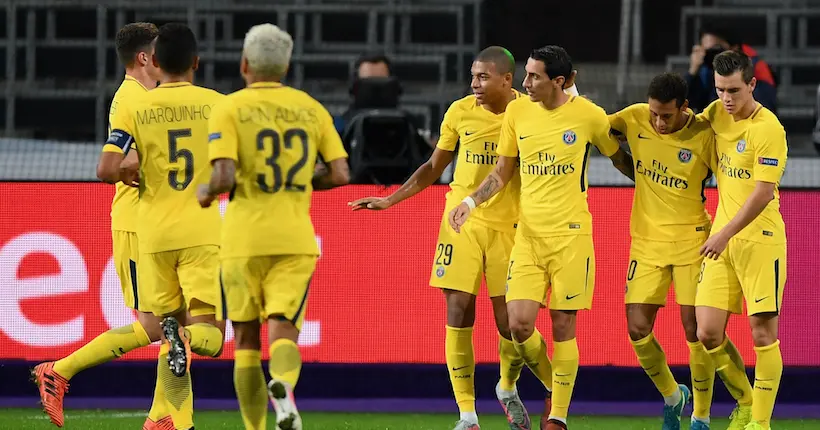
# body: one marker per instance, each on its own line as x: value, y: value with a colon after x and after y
x: 267, y: 49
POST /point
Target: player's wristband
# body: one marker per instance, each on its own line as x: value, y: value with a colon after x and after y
x: 573, y: 91
x: 470, y: 202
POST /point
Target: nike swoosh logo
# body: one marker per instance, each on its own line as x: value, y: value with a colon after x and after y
x: 523, y: 137
x: 455, y: 369
x: 699, y: 381
x: 572, y: 297
x: 467, y: 133
x: 563, y: 374
x: 640, y: 136
x: 760, y: 300
x: 763, y: 380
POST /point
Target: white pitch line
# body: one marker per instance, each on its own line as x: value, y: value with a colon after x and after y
x: 117, y: 415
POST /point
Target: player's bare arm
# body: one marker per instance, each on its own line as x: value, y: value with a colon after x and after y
x: 113, y: 167
x: 423, y: 177
x: 622, y: 160
x: 754, y: 205
x: 222, y: 180
x: 336, y: 175
x: 495, y: 182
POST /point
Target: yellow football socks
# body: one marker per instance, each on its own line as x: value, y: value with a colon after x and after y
x: 703, y: 380
x: 534, y: 353
x: 205, y: 339
x: 565, y: 370
x: 251, y: 390
x: 768, y: 370
x: 729, y: 366
x: 510, y: 361
x: 458, y: 348
x: 110, y: 345
x: 653, y: 361
x: 177, y: 393
x: 285, y: 361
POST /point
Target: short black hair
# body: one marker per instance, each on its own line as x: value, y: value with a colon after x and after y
x: 176, y: 48
x: 374, y: 57
x: 132, y: 39
x: 500, y: 56
x: 728, y: 62
x: 557, y: 61
x: 667, y: 87
x: 721, y: 31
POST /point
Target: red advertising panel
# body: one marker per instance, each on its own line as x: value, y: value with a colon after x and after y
x: 369, y: 301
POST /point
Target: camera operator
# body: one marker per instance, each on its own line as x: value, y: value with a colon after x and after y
x: 701, y: 78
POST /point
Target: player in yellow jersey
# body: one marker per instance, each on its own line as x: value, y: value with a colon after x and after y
x: 264, y: 142
x: 552, y: 134
x: 178, y: 240
x: 746, y: 252
x: 135, y: 48
x: 673, y: 152
x: 473, y: 123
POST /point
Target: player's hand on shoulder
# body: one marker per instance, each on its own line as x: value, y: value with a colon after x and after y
x: 458, y: 216
x: 372, y: 203
x: 203, y: 196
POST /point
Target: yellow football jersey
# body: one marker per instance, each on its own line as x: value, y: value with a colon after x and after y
x: 169, y: 128
x: 274, y: 133
x: 476, y: 131
x: 553, y: 146
x: 124, y: 204
x: 671, y: 171
x: 749, y: 150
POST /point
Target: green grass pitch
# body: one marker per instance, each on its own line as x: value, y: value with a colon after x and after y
x: 34, y: 419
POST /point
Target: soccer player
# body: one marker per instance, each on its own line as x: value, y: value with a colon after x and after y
x: 745, y: 255
x: 178, y: 240
x: 673, y: 153
x: 135, y: 48
x: 552, y: 133
x: 474, y: 123
x: 264, y: 142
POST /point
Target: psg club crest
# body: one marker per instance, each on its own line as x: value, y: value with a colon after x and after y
x: 685, y: 155
x: 569, y: 137
x: 440, y: 271
x: 741, y: 146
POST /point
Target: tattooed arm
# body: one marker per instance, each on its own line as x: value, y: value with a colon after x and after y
x: 498, y: 178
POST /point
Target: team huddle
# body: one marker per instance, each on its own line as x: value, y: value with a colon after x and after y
x: 519, y: 217
x: 516, y: 214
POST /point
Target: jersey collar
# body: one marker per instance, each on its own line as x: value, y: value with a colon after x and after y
x: 133, y: 79
x: 175, y: 85
x: 266, y: 85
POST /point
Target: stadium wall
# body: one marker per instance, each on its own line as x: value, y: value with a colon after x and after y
x: 374, y: 328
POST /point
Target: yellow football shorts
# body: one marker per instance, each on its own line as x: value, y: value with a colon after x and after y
x: 564, y: 264
x: 653, y: 266
x: 746, y: 270
x: 173, y: 279
x: 126, y: 256
x: 261, y: 287
x: 461, y: 258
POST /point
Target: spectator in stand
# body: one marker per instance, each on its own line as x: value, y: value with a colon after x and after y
x: 701, y: 77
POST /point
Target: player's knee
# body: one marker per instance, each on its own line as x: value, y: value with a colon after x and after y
x: 710, y: 337
x: 151, y: 325
x: 638, y: 329
x: 520, y: 329
x: 246, y: 335
x: 764, y: 329
x: 563, y: 325
x: 460, y: 309
x: 280, y: 327
x: 690, y: 327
